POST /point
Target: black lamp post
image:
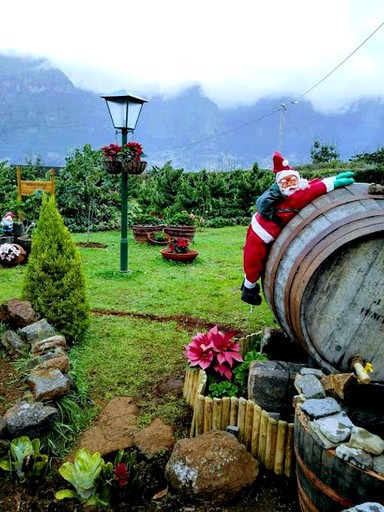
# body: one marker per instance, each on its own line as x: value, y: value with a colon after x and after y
x: 124, y: 110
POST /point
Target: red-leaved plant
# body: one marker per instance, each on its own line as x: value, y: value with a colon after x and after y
x: 132, y: 151
x: 179, y: 245
x: 215, y: 351
x: 122, y: 474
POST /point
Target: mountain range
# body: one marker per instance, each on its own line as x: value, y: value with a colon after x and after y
x: 43, y: 114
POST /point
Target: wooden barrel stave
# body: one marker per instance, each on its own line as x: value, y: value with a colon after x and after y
x: 323, y: 279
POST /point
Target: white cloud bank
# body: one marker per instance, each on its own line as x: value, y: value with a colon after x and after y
x: 238, y: 51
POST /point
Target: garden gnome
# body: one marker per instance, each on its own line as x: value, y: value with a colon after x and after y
x: 275, y: 208
x: 7, y: 223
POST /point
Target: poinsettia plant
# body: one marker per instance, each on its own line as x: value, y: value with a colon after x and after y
x: 219, y: 356
x: 111, y: 152
x: 132, y: 151
x: 215, y: 351
x: 178, y: 245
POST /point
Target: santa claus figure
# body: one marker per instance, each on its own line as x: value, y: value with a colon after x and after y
x: 275, y: 208
x: 7, y: 223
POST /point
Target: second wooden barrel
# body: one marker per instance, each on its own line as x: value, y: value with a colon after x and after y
x: 324, y: 279
x: 325, y: 482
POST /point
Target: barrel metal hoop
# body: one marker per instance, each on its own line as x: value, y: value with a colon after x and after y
x: 325, y: 489
x: 305, y: 503
x: 300, y: 227
x: 338, y: 235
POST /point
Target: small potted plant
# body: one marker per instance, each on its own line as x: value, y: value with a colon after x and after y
x: 178, y: 250
x: 158, y: 238
x: 181, y: 225
x: 144, y: 223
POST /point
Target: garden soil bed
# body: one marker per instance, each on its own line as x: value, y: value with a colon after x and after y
x: 270, y: 492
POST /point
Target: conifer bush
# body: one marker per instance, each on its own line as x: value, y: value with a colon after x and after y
x: 54, y: 282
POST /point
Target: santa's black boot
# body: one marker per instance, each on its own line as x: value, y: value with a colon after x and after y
x: 251, y: 295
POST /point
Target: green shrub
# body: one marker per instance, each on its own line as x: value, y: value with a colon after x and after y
x: 181, y: 219
x: 54, y: 281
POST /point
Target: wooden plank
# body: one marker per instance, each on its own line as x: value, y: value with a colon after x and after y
x: 233, y: 411
x: 270, y: 445
x: 263, y: 437
x: 208, y: 410
x: 256, y: 430
x: 216, y: 414
x: 248, y: 424
x: 281, y: 439
x: 225, y: 412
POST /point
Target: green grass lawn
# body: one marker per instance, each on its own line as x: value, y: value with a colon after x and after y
x: 150, y: 313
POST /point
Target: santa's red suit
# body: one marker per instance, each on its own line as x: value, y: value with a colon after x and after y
x: 262, y: 232
x: 275, y: 208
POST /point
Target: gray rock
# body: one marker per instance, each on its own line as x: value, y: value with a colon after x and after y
x: 312, y: 371
x: 369, y: 506
x: 310, y: 386
x: 368, y: 442
x: 57, y: 341
x: 321, y: 439
x: 29, y: 419
x: 37, y: 331
x: 319, y: 407
x: 336, y: 427
x: 271, y: 385
x: 13, y: 344
x: 49, y: 383
x: 213, y: 467
x: 355, y: 456
x: 378, y: 464
x: 3, y: 426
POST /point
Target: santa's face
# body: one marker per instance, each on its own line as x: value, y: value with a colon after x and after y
x: 289, y: 184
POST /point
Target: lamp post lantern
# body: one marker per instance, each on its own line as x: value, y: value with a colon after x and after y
x: 124, y: 110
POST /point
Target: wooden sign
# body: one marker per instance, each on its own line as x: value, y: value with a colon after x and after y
x: 27, y: 188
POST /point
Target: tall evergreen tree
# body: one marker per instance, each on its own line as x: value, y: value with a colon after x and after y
x: 54, y: 281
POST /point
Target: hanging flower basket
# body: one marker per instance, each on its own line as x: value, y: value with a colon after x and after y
x: 113, y: 167
x: 132, y: 167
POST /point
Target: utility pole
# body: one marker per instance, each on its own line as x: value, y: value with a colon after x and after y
x: 282, y: 109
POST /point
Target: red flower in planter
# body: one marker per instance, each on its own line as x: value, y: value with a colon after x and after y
x: 179, y: 245
x: 214, y: 350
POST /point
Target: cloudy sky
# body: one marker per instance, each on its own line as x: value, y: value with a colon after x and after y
x: 238, y: 51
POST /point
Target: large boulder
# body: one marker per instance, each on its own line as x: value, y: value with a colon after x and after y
x: 213, y: 467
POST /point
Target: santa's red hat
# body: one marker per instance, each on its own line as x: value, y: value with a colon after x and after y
x: 282, y: 168
x: 9, y: 214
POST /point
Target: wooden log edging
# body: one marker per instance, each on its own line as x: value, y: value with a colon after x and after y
x: 270, y: 441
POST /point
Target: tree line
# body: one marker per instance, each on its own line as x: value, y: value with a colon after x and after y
x: 89, y: 199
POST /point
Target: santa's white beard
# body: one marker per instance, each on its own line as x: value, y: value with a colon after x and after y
x: 303, y: 183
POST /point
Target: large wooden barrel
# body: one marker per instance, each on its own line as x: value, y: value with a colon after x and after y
x: 324, y: 279
x: 327, y: 483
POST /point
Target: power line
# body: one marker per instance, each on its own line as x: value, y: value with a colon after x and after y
x: 292, y: 102
x: 337, y: 67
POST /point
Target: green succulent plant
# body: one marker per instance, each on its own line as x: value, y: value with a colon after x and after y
x: 82, y: 474
x: 24, y: 460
